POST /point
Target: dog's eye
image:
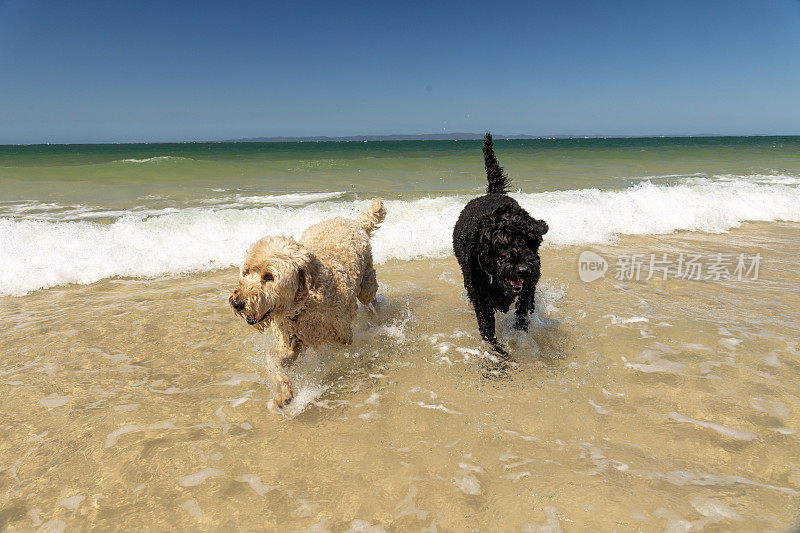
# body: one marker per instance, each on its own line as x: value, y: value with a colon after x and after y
x: 267, y: 277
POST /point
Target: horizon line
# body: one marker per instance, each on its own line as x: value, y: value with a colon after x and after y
x: 456, y: 136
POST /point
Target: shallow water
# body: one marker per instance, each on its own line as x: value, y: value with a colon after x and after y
x: 133, y: 398
x: 630, y: 406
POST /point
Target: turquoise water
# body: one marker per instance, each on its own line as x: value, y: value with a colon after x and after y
x: 122, y: 174
x: 145, y: 210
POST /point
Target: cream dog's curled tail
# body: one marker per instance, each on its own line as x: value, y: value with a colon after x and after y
x: 370, y: 218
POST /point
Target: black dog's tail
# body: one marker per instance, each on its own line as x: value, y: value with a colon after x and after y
x: 498, y: 181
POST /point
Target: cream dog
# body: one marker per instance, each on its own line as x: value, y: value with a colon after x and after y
x: 307, y: 290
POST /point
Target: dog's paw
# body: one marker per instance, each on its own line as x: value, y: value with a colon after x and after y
x: 521, y: 323
x: 276, y: 406
x: 498, y: 348
x: 279, y: 402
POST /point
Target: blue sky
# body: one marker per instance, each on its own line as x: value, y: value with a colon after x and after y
x: 173, y: 71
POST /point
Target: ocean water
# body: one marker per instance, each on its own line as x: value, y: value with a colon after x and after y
x: 100, y: 211
x: 635, y: 403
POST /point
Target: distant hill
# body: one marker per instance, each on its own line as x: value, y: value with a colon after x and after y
x: 396, y: 137
x: 463, y: 137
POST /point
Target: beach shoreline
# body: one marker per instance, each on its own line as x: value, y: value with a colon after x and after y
x: 644, y: 398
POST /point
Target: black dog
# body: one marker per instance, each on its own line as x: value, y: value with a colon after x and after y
x: 497, y: 243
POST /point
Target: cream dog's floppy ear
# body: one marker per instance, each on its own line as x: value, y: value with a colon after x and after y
x: 309, y: 274
x: 308, y: 267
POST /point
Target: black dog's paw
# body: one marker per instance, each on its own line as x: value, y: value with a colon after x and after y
x: 521, y: 323
x: 498, y: 348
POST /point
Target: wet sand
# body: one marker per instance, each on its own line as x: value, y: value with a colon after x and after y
x: 630, y: 405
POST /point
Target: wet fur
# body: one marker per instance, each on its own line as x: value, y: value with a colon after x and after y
x: 493, y: 237
x: 307, y: 291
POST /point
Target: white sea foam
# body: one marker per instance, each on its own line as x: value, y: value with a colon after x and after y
x: 591, y: 215
x: 156, y: 159
x: 32, y: 210
x: 68, y: 213
x: 775, y: 178
x: 293, y: 199
x: 36, y: 254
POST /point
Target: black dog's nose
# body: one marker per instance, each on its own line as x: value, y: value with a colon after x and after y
x: 523, y: 270
x: 237, y: 304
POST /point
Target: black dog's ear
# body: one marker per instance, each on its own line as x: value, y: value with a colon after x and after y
x: 536, y: 228
x: 485, y: 238
x: 493, y: 234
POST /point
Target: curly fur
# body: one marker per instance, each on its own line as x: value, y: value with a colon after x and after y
x: 307, y: 291
x: 496, y: 243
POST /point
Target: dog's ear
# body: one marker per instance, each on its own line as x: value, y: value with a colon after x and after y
x: 486, y: 242
x: 491, y: 237
x: 541, y: 226
x: 485, y: 236
x: 495, y: 232
x: 309, y: 277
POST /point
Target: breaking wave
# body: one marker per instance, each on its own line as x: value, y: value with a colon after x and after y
x: 156, y: 159
x: 37, y: 254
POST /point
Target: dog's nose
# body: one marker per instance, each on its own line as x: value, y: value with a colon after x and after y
x: 237, y: 304
x: 523, y: 270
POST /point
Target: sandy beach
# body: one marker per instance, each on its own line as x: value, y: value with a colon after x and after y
x: 639, y: 400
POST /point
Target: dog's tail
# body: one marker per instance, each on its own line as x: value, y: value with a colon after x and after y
x: 498, y: 180
x: 369, y: 219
